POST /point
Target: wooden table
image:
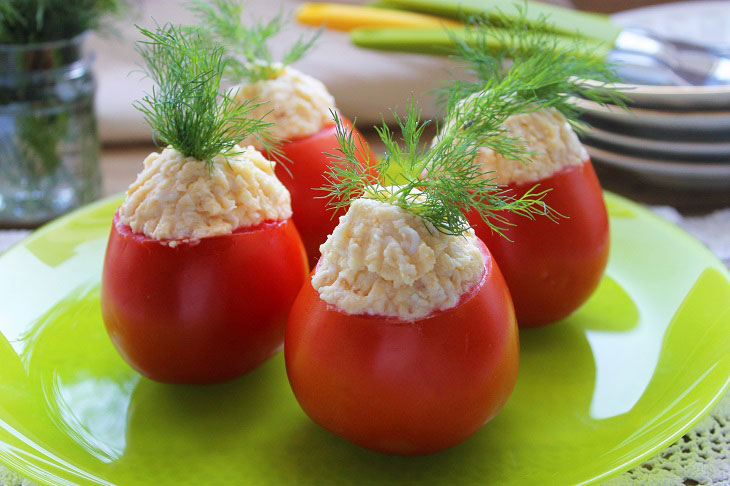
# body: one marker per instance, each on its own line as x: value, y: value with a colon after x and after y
x: 120, y: 165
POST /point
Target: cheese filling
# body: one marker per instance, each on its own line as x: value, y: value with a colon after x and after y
x: 177, y: 197
x: 545, y: 132
x: 382, y: 260
x: 298, y: 105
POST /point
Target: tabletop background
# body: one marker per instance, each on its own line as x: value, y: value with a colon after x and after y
x: 366, y: 85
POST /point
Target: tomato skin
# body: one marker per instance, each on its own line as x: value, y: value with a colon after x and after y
x: 552, y: 268
x: 204, y: 311
x: 407, y: 388
x: 306, y: 173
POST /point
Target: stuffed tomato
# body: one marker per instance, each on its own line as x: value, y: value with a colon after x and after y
x: 551, y: 267
x: 201, y: 268
x: 302, y: 110
x: 405, y: 340
x: 305, y: 175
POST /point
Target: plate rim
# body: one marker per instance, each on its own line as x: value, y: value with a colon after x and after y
x: 661, y: 167
x: 690, y: 148
x: 61, y: 220
x: 652, y: 114
x: 15, y: 464
x: 659, y: 122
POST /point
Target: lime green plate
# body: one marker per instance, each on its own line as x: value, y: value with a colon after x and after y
x: 626, y: 375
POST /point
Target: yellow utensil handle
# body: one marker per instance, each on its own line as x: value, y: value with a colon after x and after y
x: 347, y: 17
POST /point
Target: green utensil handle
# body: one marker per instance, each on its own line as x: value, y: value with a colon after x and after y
x: 440, y: 42
x: 596, y: 27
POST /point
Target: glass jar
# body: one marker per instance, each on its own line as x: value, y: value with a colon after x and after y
x: 49, y: 144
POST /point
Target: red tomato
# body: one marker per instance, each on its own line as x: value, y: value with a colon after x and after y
x: 552, y: 268
x: 408, y: 388
x: 306, y: 173
x: 204, y: 311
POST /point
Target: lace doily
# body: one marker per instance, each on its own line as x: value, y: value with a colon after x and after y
x: 700, y: 457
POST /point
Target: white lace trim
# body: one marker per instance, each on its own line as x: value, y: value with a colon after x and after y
x: 700, y: 457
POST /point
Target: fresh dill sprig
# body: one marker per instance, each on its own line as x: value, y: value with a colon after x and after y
x: 547, y: 70
x: 250, y: 58
x: 33, y: 21
x: 439, y: 183
x: 186, y: 108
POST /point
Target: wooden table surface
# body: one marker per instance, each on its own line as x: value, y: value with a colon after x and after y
x: 120, y: 165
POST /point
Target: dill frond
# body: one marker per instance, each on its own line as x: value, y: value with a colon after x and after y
x: 186, y: 108
x: 546, y: 69
x: 33, y: 21
x: 441, y: 182
x: 248, y: 57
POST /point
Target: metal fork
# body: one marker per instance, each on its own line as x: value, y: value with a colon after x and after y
x: 685, y: 63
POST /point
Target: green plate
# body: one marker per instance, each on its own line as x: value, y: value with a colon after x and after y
x: 626, y: 375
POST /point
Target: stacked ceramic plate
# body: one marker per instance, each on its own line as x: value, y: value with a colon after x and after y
x: 676, y: 136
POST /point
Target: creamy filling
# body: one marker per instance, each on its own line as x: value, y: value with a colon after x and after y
x: 382, y: 260
x: 176, y: 197
x: 546, y: 133
x: 299, y: 105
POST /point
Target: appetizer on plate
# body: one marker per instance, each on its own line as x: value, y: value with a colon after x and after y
x: 551, y: 267
x: 204, y: 261
x: 298, y: 104
x: 404, y: 340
